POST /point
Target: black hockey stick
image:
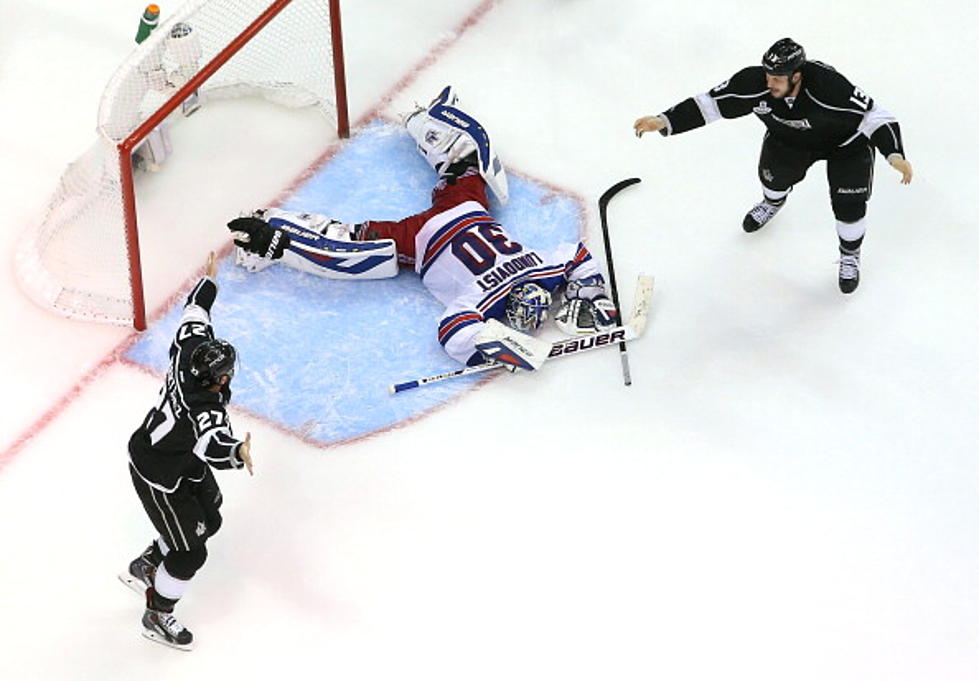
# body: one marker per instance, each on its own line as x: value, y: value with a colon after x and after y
x: 603, y: 214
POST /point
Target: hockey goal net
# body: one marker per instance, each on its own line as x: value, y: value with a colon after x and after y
x: 83, y: 258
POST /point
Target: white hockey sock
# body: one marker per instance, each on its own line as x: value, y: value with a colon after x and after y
x: 773, y: 196
x: 851, y: 231
x: 169, y: 586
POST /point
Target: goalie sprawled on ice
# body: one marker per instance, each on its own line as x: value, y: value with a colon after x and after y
x: 465, y: 258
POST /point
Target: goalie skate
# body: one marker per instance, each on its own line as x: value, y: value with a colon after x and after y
x: 445, y: 134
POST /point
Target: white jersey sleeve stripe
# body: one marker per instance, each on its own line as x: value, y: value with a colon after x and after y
x: 874, y: 119
x: 708, y: 107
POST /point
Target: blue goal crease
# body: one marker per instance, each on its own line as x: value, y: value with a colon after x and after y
x: 317, y: 355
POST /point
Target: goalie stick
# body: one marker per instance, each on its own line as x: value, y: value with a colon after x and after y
x: 603, y: 202
x: 563, y: 348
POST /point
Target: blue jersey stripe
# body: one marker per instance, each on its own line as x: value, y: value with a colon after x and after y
x: 549, y: 277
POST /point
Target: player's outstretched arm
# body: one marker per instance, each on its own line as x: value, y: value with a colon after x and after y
x: 212, y: 265
x: 901, y: 165
x: 648, y: 124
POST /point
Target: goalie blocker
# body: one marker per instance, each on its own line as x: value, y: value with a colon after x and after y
x: 312, y: 243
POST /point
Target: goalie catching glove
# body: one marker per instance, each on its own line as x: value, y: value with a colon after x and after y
x: 256, y: 236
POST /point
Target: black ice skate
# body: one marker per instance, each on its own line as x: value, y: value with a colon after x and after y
x: 164, y: 628
x: 759, y: 216
x: 849, y: 270
x: 141, y: 571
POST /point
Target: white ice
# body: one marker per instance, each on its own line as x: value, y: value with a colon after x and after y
x: 787, y: 491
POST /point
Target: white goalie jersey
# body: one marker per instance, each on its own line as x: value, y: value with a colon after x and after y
x: 469, y: 263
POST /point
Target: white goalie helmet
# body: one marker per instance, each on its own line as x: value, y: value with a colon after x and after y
x: 527, y: 306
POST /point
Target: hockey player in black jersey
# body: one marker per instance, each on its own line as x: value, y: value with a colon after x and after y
x: 170, y: 459
x: 811, y: 113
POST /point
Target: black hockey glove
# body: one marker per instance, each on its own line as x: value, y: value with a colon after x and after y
x: 258, y: 237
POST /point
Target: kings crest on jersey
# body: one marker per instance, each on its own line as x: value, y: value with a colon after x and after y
x: 829, y: 112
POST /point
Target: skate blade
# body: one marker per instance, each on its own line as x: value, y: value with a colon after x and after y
x: 133, y: 583
x: 156, y: 638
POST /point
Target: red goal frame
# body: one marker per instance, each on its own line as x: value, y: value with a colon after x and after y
x: 126, y: 147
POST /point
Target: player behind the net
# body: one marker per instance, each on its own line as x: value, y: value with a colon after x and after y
x: 466, y: 259
x: 170, y: 459
x: 811, y: 113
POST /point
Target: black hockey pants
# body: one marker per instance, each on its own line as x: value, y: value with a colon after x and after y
x: 850, y: 173
x: 185, y: 518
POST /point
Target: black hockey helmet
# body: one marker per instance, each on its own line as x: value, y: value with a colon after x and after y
x: 783, y: 58
x: 212, y: 359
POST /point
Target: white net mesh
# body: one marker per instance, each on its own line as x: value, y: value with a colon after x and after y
x: 75, y: 261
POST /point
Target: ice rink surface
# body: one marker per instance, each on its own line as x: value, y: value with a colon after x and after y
x: 787, y: 490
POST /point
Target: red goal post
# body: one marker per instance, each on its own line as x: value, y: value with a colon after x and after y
x: 83, y: 259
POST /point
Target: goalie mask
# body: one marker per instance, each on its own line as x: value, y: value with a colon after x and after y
x: 211, y: 360
x: 527, y: 306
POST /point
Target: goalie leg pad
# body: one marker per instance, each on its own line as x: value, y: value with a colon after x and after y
x: 439, y: 143
x: 445, y: 134
x: 334, y: 259
x: 311, y: 243
x: 313, y: 223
